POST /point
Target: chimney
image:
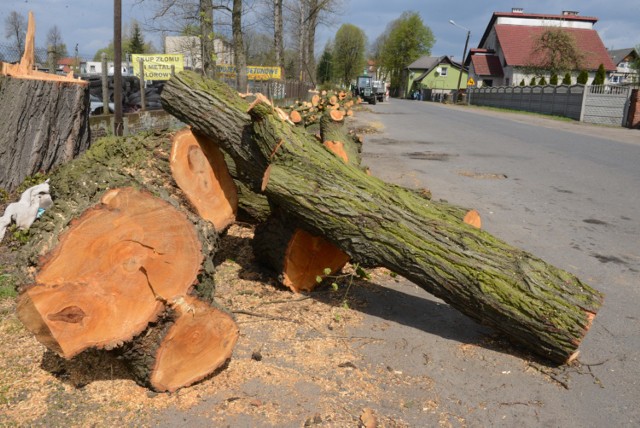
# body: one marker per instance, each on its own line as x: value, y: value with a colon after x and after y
x: 517, y: 10
x: 570, y: 13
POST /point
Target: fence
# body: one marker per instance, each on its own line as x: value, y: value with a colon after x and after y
x: 11, y: 54
x: 606, y: 104
x: 603, y: 104
x: 281, y: 91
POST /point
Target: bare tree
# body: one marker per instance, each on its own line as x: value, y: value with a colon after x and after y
x: 309, y: 14
x: 56, y: 47
x: 16, y: 29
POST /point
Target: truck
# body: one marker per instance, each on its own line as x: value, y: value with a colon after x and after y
x: 365, y: 89
x: 380, y: 89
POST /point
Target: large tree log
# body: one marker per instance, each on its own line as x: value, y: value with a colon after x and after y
x: 146, y: 272
x: 44, y: 118
x: 110, y: 274
x: 543, y: 308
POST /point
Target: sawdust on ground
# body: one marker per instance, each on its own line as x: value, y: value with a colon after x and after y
x: 293, y: 348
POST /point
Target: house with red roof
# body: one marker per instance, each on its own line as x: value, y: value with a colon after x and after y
x: 507, y: 47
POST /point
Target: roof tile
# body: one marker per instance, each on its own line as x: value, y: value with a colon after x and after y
x: 517, y: 42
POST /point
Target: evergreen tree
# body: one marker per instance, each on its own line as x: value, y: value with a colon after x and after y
x: 542, y: 81
x: 522, y: 82
x: 583, y: 77
x: 600, y: 76
x: 533, y: 82
x: 554, y: 79
x: 325, y: 66
x: 136, y: 43
x: 567, y: 79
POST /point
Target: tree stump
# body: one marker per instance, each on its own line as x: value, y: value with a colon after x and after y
x: 44, y: 118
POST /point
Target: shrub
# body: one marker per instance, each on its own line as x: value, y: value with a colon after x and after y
x: 554, y: 79
x: 583, y: 77
x: 567, y: 79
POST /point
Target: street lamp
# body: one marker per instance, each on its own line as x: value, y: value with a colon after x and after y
x: 464, y: 52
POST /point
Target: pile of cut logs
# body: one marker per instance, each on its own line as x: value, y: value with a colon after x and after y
x: 130, y: 242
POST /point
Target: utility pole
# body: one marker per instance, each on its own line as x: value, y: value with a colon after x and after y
x: 464, y: 53
x: 118, y: 123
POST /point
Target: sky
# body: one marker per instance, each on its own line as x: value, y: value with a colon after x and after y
x: 89, y: 23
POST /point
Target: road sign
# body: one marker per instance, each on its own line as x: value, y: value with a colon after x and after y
x: 471, y: 82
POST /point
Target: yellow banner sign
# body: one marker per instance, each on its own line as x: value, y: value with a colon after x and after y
x: 471, y: 82
x: 254, y: 72
x: 157, y: 66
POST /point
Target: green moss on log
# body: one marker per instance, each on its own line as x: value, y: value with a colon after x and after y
x: 140, y: 161
x: 533, y: 303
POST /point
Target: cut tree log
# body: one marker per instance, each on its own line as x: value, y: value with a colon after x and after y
x: 188, y: 343
x: 539, y: 306
x: 199, y: 168
x: 44, y: 118
x: 297, y: 256
x: 142, y: 162
x: 111, y: 273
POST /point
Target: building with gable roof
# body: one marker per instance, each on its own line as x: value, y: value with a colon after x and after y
x: 435, y: 76
x: 506, y: 48
x: 623, y: 59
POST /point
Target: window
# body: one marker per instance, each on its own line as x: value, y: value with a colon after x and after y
x: 443, y: 71
x: 92, y: 68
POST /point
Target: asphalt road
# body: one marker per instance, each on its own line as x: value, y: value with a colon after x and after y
x: 566, y: 192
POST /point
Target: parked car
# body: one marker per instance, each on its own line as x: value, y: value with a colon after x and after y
x: 96, y: 105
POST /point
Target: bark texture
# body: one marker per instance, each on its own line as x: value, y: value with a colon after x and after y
x: 43, y: 124
x: 539, y: 306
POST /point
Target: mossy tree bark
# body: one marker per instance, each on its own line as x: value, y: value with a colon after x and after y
x: 539, y: 306
x: 115, y: 271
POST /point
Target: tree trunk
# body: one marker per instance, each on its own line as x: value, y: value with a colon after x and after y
x: 238, y: 46
x: 207, y: 38
x: 127, y: 266
x: 42, y: 125
x: 278, y: 34
x: 297, y: 257
x: 44, y: 119
x: 531, y: 302
x: 111, y: 272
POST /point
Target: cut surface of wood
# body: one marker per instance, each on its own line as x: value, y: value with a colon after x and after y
x: 200, y: 341
x: 473, y: 218
x: 199, y: 168
x: 107, y: 278
x: 337, y: 147
x: 307, y: 257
